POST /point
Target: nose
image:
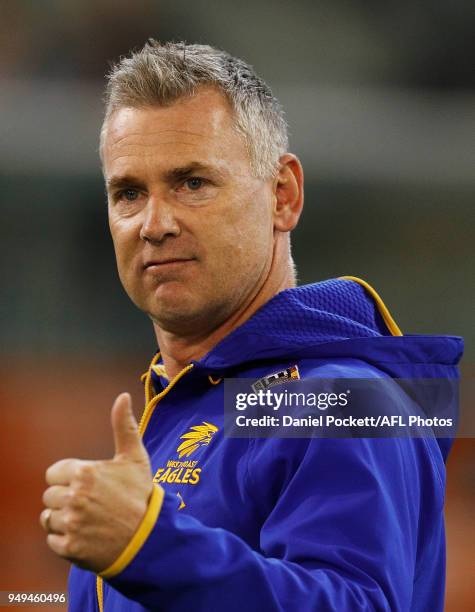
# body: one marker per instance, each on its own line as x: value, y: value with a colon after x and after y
x: 159, y: 221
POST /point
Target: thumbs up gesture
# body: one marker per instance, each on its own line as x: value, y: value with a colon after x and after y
x: 93, y: 508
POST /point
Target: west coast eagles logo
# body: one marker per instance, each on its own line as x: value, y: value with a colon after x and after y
x: 199, y: 435
x: 186, y: 472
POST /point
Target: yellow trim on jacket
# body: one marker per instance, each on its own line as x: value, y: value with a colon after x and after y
x: 150, y: 407
x: 142, y: 533
x: 140, y: 536
x: 384, y: 312
x: 100, y: 594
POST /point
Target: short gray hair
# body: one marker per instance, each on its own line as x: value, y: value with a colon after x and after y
x: 159, y: 74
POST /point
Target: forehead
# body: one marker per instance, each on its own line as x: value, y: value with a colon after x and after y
x: 199, y: 127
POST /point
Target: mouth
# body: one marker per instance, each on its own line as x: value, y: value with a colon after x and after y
x: 162, y: 264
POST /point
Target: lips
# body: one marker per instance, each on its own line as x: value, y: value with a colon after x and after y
x: 158, y: 263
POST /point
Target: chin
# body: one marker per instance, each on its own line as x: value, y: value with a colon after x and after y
x: 172, y: 305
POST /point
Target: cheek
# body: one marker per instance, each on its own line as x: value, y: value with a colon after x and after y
x: 241, y: 246
x: 125, y: 247
x: 253, y: 230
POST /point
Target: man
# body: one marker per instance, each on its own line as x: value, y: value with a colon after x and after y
x: 202, y: 197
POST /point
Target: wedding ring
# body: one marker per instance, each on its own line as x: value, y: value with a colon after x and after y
x: 47, y: 518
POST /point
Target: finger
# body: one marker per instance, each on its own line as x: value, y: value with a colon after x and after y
x: 44, y: 518
x: 62, y: 472
x: 58, y: 544
x: 56, y: 496
x: 52, y: 521
x: 127, y: 440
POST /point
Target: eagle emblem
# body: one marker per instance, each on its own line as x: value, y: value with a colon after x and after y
x: 199, y: 435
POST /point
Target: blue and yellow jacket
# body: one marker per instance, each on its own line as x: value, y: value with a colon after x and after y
x: 267, y: 525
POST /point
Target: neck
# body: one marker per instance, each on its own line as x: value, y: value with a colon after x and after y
x: 177, y: 351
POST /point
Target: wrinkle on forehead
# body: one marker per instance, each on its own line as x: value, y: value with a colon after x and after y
x: 131, y: 150
x: 202, y: 125
x: 141, y: 136
x: 207, y: 111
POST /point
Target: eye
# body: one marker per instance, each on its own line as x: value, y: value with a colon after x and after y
x: 129, y: 194
x: 194, y: 183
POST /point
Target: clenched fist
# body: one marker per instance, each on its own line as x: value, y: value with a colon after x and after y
x: 93, y: 508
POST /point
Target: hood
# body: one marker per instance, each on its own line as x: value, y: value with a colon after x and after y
x: 342, y: 317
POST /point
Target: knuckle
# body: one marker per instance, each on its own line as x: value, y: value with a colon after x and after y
x: 73, y: 547
x: 85, y: 473
x: 72, y: 522
x: 56, y: 468
x: 67, y: 546
x: 77, y: 500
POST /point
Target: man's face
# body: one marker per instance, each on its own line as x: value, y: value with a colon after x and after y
x: 192, y: 227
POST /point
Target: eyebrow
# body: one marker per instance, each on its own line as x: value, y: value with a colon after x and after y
x: 121, y: 182
x: 183, y: 172
x: 170, y: 176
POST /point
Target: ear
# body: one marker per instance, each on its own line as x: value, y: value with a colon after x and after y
x: 288, y: 193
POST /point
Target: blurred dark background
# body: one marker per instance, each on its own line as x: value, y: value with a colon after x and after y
x: 380, y: 98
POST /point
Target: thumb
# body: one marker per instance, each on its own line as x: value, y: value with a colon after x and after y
x: 127, y: 440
